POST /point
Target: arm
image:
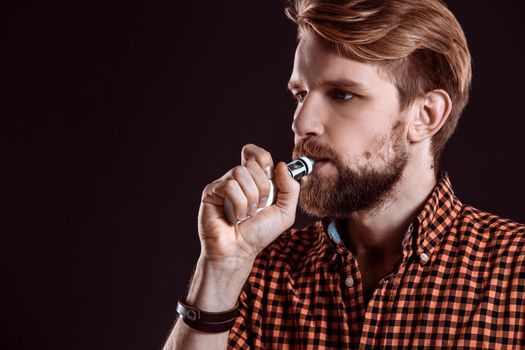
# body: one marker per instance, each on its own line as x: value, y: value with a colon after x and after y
x: 215, y: 287
x: 228, y: 251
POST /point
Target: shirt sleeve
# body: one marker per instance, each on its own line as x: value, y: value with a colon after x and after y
x: 247, y: 331
x: 239, y: 335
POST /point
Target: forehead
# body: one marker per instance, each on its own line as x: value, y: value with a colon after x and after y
x: 315, y: 61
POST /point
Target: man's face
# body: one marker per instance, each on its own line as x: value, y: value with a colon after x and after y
x: 347, y: 119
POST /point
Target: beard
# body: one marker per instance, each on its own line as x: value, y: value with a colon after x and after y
x: 356, y: 188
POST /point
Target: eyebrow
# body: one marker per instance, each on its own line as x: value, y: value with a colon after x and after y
x: 338, y: 83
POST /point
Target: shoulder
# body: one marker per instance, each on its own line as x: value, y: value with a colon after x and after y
x: 487, y: 229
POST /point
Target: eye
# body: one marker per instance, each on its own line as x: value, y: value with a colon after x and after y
x: 341, y: 95
x: 299, y: 96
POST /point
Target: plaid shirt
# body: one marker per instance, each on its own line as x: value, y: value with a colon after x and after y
x: 460, y: 285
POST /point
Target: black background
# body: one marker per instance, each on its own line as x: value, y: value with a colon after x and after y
x: 118, y: 114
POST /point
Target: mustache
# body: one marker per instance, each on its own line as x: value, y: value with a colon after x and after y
x: 315, y: 150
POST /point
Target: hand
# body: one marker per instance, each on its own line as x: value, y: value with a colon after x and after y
x: 247, y: 187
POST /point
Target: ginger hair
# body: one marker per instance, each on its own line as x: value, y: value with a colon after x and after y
x: 418, y: 43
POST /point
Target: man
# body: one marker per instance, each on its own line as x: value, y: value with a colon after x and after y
x: 397, y: 260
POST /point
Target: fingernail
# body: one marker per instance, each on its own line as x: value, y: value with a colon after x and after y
x: 242, y: 215
x: 269, y: 171
x: 262, y: 202
x: 253, y: 209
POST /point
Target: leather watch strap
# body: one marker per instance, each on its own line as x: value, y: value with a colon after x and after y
x: 212, y: 322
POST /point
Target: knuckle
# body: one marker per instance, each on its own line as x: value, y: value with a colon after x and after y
x: 230, y: 186
x: 251, y: 164
x: 247, y: 147
x: 256, y: 171
x: 238, y: 171
x: 207, y: 191
x: 248, y: 150
x: 208, y: 188
x: 251, y: 151
x: 265, y: 158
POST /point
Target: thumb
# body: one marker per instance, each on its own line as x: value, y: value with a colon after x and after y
x: 287, y: 188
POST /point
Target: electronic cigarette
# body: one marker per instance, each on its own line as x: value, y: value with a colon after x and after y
x: 297, y: 169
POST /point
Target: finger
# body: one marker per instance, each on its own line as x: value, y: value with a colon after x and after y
x: 209, y: 194
x: 261, y: 181
x: 231, y: 190
x: 288, y: 188
x: 260, y: 155
x: 244, y: 178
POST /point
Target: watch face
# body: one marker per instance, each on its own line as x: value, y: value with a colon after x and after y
x: 192, y: 315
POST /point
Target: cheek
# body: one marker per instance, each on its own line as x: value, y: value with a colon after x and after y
x: 360, y: 125
x: 374, y: 153
x: 387, y: 147
x: 357, y: 145
x: 359, y: 134
x: 383, y: 151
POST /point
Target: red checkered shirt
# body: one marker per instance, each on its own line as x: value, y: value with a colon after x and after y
x: 460, y: 285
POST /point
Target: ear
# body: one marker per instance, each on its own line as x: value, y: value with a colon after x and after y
x: 431, y: 112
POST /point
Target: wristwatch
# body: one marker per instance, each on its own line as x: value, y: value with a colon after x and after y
x: 209, y: 322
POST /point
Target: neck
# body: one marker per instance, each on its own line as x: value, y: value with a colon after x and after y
x: 380, y: 232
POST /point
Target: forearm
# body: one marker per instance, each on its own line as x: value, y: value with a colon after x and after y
x: 215, y: 288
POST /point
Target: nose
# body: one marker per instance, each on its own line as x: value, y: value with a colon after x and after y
x: 308, y: 119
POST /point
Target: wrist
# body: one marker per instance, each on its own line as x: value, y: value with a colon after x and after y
x: 209, y: 322
x: 226, y: 265
x: 217, y: 283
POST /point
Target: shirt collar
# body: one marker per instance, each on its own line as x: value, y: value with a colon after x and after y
x: 436, y: 218
x: 330, y: 233
x: 427, y: 228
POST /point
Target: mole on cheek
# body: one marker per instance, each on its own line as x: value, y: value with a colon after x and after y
x: 368, y: 155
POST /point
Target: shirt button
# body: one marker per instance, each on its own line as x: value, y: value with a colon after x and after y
x: 423, y: 257
x: 349, y: 282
